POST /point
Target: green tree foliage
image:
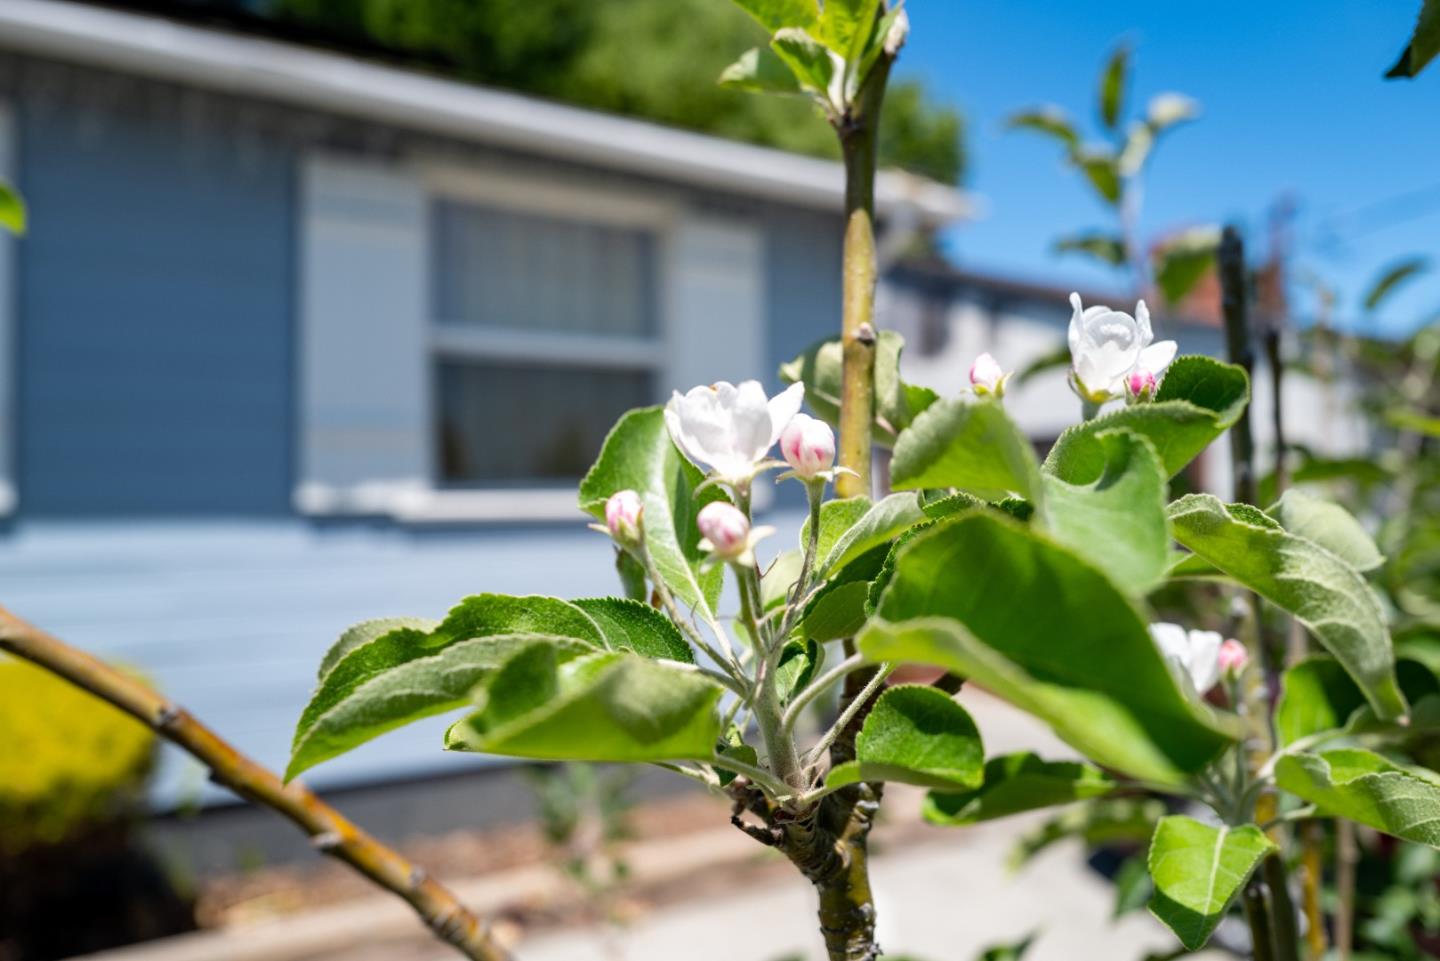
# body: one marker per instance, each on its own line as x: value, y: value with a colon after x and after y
x: 655, y: 59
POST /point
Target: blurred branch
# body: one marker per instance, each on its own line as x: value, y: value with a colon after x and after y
x: 330, y: 831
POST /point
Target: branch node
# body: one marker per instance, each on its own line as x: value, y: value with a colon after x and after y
x: 166, y: 718
x: 418, y: 877
x: 327, y: 842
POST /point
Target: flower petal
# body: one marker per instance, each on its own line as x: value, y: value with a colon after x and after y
x: 751, y: 419
x: 1157, y: 356
x: 784, y: 406
x: 1142, y: 320
x: 1204, y: 659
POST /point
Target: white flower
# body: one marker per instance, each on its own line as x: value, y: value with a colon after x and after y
x: 1107, y: 345
x: 986, y: 376
x: 727, y: 533
x: 808, y: 446
x: 624, y: 512
x: 1195, y: 653
x: 730, y: 429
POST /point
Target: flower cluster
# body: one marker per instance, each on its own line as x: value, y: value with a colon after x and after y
x: 1113, y: 354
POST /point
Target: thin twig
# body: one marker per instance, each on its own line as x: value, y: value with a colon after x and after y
x: 856, y: 705
x: 817, y: 687
x: 330, y: 832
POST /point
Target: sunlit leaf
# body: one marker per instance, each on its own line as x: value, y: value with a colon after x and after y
x: 1197, y: 870
x: 12, y: 209
x: 807, y: 59
x: 1323, y: 592
x: 638, y: 455
x: 1104, y: 247
x: 915, y: 734
x: 1048, y: 120
x: 1113, y: 79
x: 759, y: 70
x: 820, y: 367
x: 1015, y: 783
x: 1329, y: 525
x: 1031, y: 621
x: 627, y: 625
x: 966, y: 443
x: 1183, y: 260
x: 1102, y: 169
x: 1365, y: 787
x: 775, y: 15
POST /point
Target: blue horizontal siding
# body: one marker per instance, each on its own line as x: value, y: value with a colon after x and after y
x: 155, y: 305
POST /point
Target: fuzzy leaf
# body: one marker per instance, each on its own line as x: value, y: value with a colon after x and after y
x: 969, y: 444
x: 1198, y: 869
x: 1015, y: 783
x: 915, y: 734
x: 605, y: 706
x: 627, y: 625
x: 775, y: 15
x: 374, y: 681
x: 896, y: 403
x: 1116, y: 518
x: 1368, y: 789
x: 1198, y: 400
x: 1030, y: 620
x: 845, y: 25
x: 807, y: 59
x: 638, y: 455
x: 883, y: 522
x: 363, y: 633
x: 836, y: 517
x: 1318, y: 695
x: 1324, y: 593
x: 1329, y: 525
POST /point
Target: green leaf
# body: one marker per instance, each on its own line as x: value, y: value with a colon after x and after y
x: 1106, y: 248
x: 1133, y: 887
x: 1102, y: 168
x: 638, y: 455
x: 798, y: 663
x: 1198, y: 869
x: 12, y: 209
x: 1318, y: 695
x: 1329, y: 525
x: 1116, y: 518
x: 1198, y: 400
x: 1112, y: 86
x: 1184, y: 260
x: 1015, y: 783
x: 1392, y: 278
x: 882, y: 523
x: 367, y: 631
x: 840, y: 608
x: 836, y: 517
x: 1324, y: 593
x: 969, y: 444
x: 760, y: 70
x: 1008, y: 952
x: 608, y: 706
x: 775, y: 15
x: 1031, y: 621
x: 1049, y: 120
x: 741, y: 752
x: 1099, y: 823
x: 845, y: 26
x: 778, y: 579
x: 819, y: 368
x: 1368, y: 789
x: 915, y: 734
x: 627, y: 625
x: 374, y: 681
x: 1415, y: 421
x: 1424, y: 43
x: 807, y: 59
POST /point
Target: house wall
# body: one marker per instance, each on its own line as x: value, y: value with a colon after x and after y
x: 155, y: 310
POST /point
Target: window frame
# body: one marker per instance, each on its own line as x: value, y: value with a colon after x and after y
x: 525, y: 193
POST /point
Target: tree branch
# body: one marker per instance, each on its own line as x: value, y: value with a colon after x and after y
x: 330, y: 832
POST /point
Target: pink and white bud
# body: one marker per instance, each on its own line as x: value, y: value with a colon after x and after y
x: 624, y: 512
x: 1140, y: 384
x: 808, y: 445
x: 725, y: 530
x: 1233, y: 657
x: 986, y: 376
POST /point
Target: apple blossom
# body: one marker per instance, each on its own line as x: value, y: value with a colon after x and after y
x: 730, y: 429
x: 727, y: 534
x: 986, y: 377
x: 1106, y: 346
x: 624, y: 512
x: 1140, y: 385
x: 1195, y: 653
x: 1233, y: 657
x: 808, y: 446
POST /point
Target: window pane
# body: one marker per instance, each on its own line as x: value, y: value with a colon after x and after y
x: 500, y: 268
x: 518, y: 422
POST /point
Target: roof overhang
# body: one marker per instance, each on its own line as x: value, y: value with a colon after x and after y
x: 321, y: 80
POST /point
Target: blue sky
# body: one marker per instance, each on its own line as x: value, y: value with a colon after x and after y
x: 1293, y: 102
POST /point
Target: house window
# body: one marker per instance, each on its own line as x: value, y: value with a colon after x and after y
x: 545, y: 330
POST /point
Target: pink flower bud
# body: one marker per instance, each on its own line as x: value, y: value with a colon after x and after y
x: 623, y: 513
x: 808, y: 445
x: 726, y: 530
x: 1233, y: 657
x: 987, y: 377
x: 1140, y: 383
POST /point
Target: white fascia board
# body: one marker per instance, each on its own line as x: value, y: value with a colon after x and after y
x: 323, y: 80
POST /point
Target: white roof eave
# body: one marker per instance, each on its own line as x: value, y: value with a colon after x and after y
x: 323, y: 80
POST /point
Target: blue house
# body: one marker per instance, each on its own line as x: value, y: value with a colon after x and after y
x: 297, y: 339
